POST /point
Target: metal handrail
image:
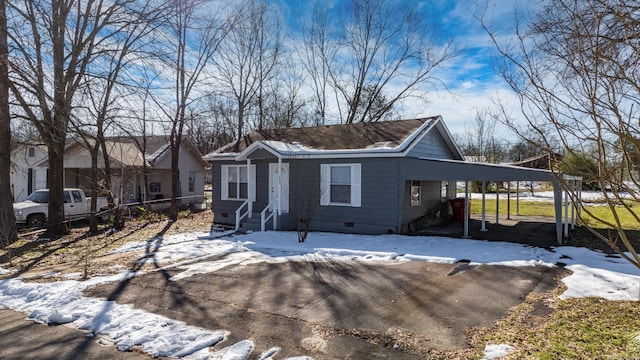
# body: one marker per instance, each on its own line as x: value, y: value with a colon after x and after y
x: 238, y: 217
x: 263, y: 219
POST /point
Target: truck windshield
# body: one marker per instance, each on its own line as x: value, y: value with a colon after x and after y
x: 39, y: 197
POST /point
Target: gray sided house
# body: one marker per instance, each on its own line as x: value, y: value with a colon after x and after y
x: 368, y: 178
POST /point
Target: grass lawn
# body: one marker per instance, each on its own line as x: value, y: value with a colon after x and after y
x: 587, y: 328
x: 590, y: 328
x: 539, y: 208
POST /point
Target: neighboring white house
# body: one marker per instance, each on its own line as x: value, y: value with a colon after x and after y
x: 128, y: 159
x: 27, y: 174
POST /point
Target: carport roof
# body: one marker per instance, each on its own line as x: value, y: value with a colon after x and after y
x: 442, y: 169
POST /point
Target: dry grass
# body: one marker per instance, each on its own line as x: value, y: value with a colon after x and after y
x: 89, y: 254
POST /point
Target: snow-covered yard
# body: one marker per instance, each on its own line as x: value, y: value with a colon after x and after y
x: 62, y: 302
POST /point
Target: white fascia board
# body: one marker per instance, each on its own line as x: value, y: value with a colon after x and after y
x: 256, y: 146
x: 450, y: 138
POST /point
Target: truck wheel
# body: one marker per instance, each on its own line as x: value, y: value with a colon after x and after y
x: 36, y: 221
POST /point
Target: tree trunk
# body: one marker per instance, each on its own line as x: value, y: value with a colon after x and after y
x: 55, y: 220
x: 175, y: 178
x: 7, y: 220
x: 93, y: 226
x: 118, y: 219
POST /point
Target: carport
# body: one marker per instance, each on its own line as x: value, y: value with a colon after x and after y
x: 453, y: 170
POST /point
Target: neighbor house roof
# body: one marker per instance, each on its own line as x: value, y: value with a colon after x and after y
x: 390, y: 137
x: 126, y: 150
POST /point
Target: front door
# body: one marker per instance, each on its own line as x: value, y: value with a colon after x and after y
x: 274, y: 190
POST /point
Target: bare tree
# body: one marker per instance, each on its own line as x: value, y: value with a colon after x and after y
x: 385, y: 45
x: 316, y: 55
x: 196, y: 36
x: 54, y: 45
x: 121, y: 60
x: 305, y: 197
x: 8, y: 233
x: 575, y: 70
x: 249, y: 57
x: 285, y: 106
x: 480, y: 140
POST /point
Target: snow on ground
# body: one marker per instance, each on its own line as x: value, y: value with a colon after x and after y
x: 589, y: 197
x: 594, y: 274
x: 497, y: 351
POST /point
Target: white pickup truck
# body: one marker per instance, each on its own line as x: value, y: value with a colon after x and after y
x: 34, y: 209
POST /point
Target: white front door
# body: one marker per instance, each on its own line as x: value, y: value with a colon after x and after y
x: 275, y: 190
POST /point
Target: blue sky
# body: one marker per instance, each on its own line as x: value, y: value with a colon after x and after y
x: 470, y: 78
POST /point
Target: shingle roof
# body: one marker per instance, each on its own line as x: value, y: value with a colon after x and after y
x: 367, y: 135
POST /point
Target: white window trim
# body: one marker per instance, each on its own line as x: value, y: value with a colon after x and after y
x: 224, y: 182
x: 191, y: 181
x: 356, y: 185
x: 419, y: 185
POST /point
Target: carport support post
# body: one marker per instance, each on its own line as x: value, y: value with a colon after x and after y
x: 509, y: 200
x: 573, y: 202
x: 497, y: 203
x: 484, y: 190
x: 566, y: 213
x: 557, y: 202
x: 518, y: 198
x: 466, y: 209
x: 579, y: 200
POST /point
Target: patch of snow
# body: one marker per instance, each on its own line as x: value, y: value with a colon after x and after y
x: 73, y: 276
x: 237, y: 351
x: 602, y: 283
x: 268, y: 355
x: 62, y: 303
x: 492, y: 352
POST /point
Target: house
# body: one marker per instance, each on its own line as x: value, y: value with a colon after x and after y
x: 131, y: 159
x: 374, y: 178
x: 26, y: 174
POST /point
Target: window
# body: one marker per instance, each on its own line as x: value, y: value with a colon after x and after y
x: 235, y: 184
x: 31, y: 152
x: 155, y: 187
x: 340, y: 184
x: 192, y: 181
x: 416, y: 193
x: 31, y: 174
x: 76, y: 196
x: 444, y: 189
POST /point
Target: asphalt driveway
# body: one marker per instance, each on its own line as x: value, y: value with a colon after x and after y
x: 338, y: 310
